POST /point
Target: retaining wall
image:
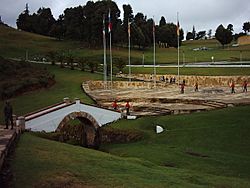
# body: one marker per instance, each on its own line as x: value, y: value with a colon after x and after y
x: 146, y: 81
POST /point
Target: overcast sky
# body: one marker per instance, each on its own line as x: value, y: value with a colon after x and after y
x: 203, y: 14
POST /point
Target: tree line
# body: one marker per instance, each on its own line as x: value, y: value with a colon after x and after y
x: 85, y: 23
x: 222, y: 34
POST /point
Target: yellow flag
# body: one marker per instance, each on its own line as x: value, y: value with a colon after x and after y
x: 178, y: 29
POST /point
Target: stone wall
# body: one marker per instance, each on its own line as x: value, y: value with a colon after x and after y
x: 146, y: 81
x: 244, y: 40
x: 122, y: 84
x: 213, y: 80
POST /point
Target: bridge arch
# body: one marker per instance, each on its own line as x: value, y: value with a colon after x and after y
x: 90, y: 132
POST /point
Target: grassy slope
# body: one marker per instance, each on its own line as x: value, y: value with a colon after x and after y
x: 225, y: 140
x: 68, y: 84
x: 192, y: 71
x: 14, y: 43
x: 45, y: 163
x: 143, y: 164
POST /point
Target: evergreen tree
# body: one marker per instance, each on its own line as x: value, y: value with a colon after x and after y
x: 189, y: 36
x: 224, y: 36
x: 162, y: 21
x: 246, y: 27
x: 194, y: 32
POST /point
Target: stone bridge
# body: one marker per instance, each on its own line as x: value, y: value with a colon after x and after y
x: 54, y: 117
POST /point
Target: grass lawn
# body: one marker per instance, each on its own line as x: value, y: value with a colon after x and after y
x: 192, y: 71
x: 68, y: 84
x: 197, y: 150
x: 14, y: 43
x: 208, y: 149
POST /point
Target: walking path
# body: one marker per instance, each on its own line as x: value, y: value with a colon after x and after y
x: 7, y: 137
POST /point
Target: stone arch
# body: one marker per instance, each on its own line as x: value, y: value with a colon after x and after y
x: 91, y: 128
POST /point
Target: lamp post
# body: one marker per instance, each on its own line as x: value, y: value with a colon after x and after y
x: 240, y: 56
x: 143, y: 59
x: 183, y: 57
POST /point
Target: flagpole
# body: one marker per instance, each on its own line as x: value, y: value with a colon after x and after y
x: 104, y: 55
x: 154, y: 53
x: 110, y: 50
x: 129, y: 51
x: 178, y: 47
x: 111, y: 66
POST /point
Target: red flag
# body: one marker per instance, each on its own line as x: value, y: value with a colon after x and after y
x: 110, y: 23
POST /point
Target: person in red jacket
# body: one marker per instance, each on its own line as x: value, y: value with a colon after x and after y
x: 127, y: 106
x: 232, y: 86
x: 244, y: 86
x: 115, y: 105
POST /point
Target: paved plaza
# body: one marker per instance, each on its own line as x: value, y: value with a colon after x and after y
x: 167, y: 99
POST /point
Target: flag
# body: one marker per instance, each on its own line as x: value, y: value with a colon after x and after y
x: 103, y: 30
x: 153, y: 27
x: 110, y: 23
x: 129, y: 23
x: 178, y: 28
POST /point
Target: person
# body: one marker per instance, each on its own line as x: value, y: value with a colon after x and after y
x: 182, y: 87
x: 232, y: 87
x: 8, y: 112
x: 245, y: 86
x: 166, y: 79
x: 115, y: 105
x: 127, y: 106
x: 196, y: 87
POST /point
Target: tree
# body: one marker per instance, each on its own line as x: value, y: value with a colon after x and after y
x: 194, y: 32
x: 82, y: 63
x: 162, y: 21
x: 1, y: 22
x: 24, y: 22
x: 209, y: 33
x: 44, y: 21
x: 127, y: 17
x: 224, y: 36
x: 52, y: 56
x: 230, y: 27
x: 57, y: 29
x: 246, y: 27
x: 168, y: 35
x: 60, y: 58
x: 189, y: 36
x: 200, y: 35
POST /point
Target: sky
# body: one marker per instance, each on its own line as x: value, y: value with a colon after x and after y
x: 203, y: 14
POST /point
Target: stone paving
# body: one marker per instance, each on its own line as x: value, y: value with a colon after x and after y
x: 168, y: 99
x: 7, y: 136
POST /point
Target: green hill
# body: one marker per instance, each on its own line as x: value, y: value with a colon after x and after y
x: 198, y: 150
x: 14, y: 43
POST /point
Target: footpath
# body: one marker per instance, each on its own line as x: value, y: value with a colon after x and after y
x: 7, y: 141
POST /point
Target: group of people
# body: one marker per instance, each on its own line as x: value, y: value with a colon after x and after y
x: 116, y: 107
x: 244, y: 86
x: 171, y: 80
x: 196, y: 86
